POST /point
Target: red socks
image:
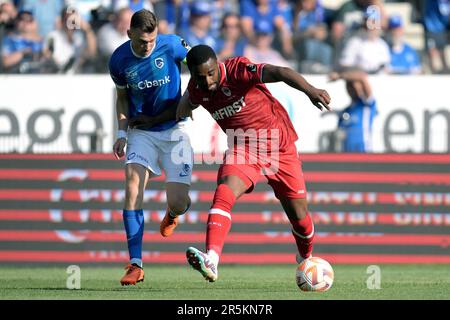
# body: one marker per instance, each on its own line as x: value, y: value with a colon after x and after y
x: 219, y: 219
x: 303, y: 232
x: 219, y: 224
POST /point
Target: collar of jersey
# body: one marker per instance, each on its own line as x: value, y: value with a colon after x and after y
x: 138, y: 56
x: 223, y: 74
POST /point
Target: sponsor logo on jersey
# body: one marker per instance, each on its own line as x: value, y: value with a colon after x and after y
x: 145, y: 84
x: 159, y: 63
x: 185, y: 44
x: 229, y: 110
x: 226, y: 91
x: 185, y: 170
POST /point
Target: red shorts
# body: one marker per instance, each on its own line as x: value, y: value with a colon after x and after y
x: 286, y: 180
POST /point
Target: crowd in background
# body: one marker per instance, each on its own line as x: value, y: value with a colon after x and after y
x: 78, y: 36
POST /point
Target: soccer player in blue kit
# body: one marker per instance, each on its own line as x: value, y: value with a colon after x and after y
x: 356, y: 120
x: 146, y: 72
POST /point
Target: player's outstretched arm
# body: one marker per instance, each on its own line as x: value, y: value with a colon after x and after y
x: 144, y: 122
x: 122, y: 119
x: 320, y: 98
x: 177, y: 111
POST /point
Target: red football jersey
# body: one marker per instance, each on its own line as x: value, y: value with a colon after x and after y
x: 243, y: 102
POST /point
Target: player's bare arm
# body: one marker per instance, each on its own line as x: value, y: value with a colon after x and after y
x: 143, y: 121
x: 182, y: 110
x: 319, y: 97
x: 185, y: 107
x: 122, y: 119
x: 178, y: 112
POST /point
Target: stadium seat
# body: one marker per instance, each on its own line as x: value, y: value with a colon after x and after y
x: 414, y: 35
x: 403, y: 9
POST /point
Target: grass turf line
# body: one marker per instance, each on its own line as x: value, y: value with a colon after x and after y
x: 240, y: 282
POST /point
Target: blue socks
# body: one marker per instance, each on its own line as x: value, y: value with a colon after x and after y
x: 134, y: 227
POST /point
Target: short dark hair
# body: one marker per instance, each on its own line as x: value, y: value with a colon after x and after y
x: 144, y: 20
x: 199, y: 55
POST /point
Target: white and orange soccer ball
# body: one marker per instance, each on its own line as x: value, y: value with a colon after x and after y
x: 314, y: 274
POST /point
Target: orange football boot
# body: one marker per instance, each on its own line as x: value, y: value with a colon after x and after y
x: 133, y: 275
x: 168, y: 224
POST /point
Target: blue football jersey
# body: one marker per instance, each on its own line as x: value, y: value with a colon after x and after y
x: 153, y: 83
x: 404, y: 61
x: 356, y: 120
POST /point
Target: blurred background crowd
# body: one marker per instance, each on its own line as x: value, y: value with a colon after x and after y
x: 311, y: 36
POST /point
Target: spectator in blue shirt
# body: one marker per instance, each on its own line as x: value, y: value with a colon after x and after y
x: 267, y: 10
x: 310, y: 34
x: 172, y: 15
x: 200, y: 22
x: 404, y: 59
x: 8, y: 14
x: 436, y: 23
x: 285, y: 7
x: 45, y: 12
x: 23, y: 47
x: 134, y: 5
x: 231, y: 43
x: 262, y: 50
x: 220, y: 8
x: 180, y: 12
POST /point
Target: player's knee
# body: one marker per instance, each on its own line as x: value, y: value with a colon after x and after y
x: 238, y: 185
x: 178, y: 205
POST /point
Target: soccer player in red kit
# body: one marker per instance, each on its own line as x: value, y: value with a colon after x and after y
x: 235, y: 94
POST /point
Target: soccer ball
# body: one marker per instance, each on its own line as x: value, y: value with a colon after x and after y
x: 314, y: 274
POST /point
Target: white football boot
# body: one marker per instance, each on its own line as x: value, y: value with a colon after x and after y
x: 203, y: 263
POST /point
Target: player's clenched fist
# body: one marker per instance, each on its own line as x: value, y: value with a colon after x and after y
x: 119, y: 147
x: 184, y: 111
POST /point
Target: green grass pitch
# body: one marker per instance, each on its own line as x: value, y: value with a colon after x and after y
x: 243, y: 282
